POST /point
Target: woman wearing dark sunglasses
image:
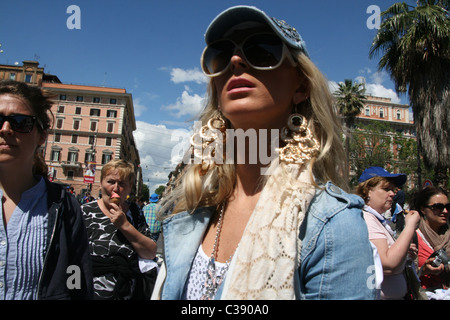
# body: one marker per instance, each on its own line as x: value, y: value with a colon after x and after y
x: 43, y: 242
x: 241, y: 229
x: 433, y: 234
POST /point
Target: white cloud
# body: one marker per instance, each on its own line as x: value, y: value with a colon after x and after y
x: 379, y: 90
x: 139, y: 108
x: 378, y: 77
x: 187, y: 105
x: 179, y: 75
x: 365, y: 70
x: 333, y: 86
x: 375, y: 85
x: 160, y: 150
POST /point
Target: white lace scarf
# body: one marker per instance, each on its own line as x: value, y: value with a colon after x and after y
x: 269, y: 251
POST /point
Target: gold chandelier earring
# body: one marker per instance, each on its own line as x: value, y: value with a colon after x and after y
x: 208, y: 144
x: 300, y: 145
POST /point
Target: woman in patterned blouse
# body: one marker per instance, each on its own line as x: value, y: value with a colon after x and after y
x: 119, y: 238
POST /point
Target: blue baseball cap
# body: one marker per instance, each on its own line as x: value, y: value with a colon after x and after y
x: 154, y: 197
x: 399, y: 179
x: 236, y: 15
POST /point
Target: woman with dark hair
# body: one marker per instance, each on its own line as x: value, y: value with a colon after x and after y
x: 42, y: 235
x: 433, y: 235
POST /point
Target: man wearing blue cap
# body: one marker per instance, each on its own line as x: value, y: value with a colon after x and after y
x: 150, y: 211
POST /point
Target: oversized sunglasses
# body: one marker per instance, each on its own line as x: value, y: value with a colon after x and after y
x: 439, y: 206
x: 19, y: 122
x: 262, y: 51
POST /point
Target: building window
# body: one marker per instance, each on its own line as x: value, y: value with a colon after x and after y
x: 62, y: 97
x: 106, y: 158
x: 111, y: 113
x: 113, y: 101
x: 381, y: 113
x: 60, y: 109
x: 70, y: 175
x: 76, y: 124
x: 367, y: 112
x: 91, y: 140
x: 12, y: 76
x: 80, y: 98
x: 108, y: 141
x: 55, y: 155
x: 72, y: 156
x: 399, y: 115
x: 95, y: 112
x: 78, y: 110
x: 28, y: 78
x: 89, y: 156
x: 110, y: 127
x: 93, y: 125
x: 59, y: 123
x: 57, y: 137
x: 96, y: 100
x: 74, y: 138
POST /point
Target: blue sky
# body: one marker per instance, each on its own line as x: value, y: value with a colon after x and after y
x: 152, y: 49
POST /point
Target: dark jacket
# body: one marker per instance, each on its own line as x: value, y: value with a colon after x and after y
x: 67, y: 270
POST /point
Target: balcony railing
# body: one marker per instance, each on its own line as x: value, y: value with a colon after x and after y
x: 71, y: 164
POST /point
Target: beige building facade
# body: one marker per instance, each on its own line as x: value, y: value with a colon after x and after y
x: 29, y: 72
x: 92, y: 125
x: 398, y: 116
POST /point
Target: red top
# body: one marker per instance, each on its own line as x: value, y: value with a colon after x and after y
x: 428, y: 281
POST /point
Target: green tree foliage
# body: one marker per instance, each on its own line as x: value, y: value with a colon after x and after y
x: 415, y: 46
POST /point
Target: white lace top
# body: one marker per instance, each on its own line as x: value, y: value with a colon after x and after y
x: 195, y: 284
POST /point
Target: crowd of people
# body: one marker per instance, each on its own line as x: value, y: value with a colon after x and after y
x: 292, y: 229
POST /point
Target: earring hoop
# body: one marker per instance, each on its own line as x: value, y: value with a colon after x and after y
x: 208, y: 143
x: 300, y: 144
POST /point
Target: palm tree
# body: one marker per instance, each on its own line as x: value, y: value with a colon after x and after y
x: 414, y: 42
x: 350, y: 100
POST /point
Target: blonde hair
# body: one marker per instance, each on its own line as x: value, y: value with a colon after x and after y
x: 125, y: 169
x: 217, y: 184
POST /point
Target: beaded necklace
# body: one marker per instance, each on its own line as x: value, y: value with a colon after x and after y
x: 213, y: 280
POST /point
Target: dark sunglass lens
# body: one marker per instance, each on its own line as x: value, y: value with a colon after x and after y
x: 440, y: 206
x: 217, y: 56
x: 264, y: 50
x: 21, y: 123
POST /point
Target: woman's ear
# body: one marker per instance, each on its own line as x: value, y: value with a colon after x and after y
x: 43, y: 138
x: 302, y: 92
x: 421, y: 213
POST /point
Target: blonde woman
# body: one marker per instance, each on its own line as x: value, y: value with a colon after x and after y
x: 236, y: 228
x: 120, y: 241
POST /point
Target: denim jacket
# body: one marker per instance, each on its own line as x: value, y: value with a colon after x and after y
x: 336, y: 260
